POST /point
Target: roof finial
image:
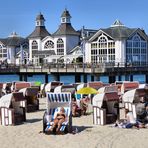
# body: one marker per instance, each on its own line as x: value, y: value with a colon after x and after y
x: 117, y: 23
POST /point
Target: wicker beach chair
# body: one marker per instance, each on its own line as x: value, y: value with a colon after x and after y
x: 131, y: 99
x: 104, y: 111
x: 31, y: 96
x: 12, y: 109
x: 54, y: 102
x: 21, y: 85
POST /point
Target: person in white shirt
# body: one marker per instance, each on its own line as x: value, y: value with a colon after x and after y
x: 130, y: 120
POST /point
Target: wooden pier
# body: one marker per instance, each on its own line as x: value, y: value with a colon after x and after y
x: 108, y: 69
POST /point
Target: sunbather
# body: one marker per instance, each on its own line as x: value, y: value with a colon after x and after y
x: 59, y: 119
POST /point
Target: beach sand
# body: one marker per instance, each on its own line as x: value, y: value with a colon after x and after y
x: 28, y: 135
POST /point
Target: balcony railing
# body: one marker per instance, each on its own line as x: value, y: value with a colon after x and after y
x: 74, y: 67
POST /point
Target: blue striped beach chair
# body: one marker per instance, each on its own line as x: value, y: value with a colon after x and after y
x: 54, y: 102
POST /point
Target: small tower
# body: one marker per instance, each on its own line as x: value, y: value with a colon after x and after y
x: 35, y: 38
x: 40, y: 21
x: 66, y: 33
x: 65, y: 17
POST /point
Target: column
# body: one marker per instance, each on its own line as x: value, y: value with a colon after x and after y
x: 77, y: 78
x: 46, y: 78
x: 85, y: 78
x: 112, y: 79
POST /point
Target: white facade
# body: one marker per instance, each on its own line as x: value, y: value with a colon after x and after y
x: 117, y: 44
x: 61, y: 42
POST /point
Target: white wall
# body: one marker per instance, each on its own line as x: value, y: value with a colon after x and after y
x: 120, y: 51
x: 87, y: 53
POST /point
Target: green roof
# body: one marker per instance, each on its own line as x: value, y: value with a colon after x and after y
x: 119, y: 31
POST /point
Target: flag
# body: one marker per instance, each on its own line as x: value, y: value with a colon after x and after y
x: 8, y: 55
x: 82, y: 46
x: 21, y: 54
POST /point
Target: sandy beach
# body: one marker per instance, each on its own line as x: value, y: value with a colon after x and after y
x: 29, y: 135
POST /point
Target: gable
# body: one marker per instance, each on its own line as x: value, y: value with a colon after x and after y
x: 140, y: 33
x: 98, y: 34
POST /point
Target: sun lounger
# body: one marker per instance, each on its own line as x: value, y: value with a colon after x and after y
x: 54, y: 102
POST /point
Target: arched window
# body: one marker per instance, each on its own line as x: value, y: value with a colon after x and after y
x: 136, y: 49
x: 103, y: 50
x: 136, y: 38
x: 49, y: 44
x: 34, y: 45
x: 60, y: 47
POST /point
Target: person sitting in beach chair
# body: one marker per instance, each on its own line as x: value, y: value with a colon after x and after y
x: 76, y: 110
x: 84, y: 105
x: 58, y: 120
x: 58, y: 104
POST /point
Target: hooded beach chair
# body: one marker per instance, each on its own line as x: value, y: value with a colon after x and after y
x: 31, y: 96
x: 104, y: 110
x: 12, y: 109
x: 131, y: 99
x: 54, y: 102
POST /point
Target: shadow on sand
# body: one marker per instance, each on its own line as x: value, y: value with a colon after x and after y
x: 78, y: 129
x: 33, y: 120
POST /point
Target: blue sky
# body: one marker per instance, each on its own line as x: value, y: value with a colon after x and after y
x: 19, y: 15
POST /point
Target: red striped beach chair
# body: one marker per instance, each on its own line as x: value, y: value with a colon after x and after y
x: 54, y: 102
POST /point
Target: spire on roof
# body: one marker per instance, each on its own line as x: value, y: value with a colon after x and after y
x: 117, y: 23
x: 13, y: 34
x: 40, y: 17
x: 65, y: 13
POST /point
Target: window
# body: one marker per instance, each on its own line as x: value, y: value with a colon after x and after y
x: 60, y: 47
x: 34, y: 45
x: 136, y: 49
x: 103, y: 50
x: 49, y: 44
x: 63, y: 20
